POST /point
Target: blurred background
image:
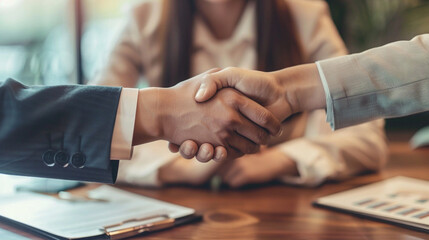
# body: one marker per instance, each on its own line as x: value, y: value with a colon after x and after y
x: 66, y: 41
x: 56, y: 41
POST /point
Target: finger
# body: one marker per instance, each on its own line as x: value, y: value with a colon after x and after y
x: 205, y: 153
x: 233, y: 154
x: 242, y: 144
x: 231, y: 173
x: 188, y: 149
x: 238, y: 181
x: 220, y: 154
x: 259, y: 115
x: 235, y: 176
x: 212, y: 82
x: 173, y: 147
x: 252, y: 131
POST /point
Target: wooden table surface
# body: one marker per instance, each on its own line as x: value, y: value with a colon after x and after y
x: 283, y: 212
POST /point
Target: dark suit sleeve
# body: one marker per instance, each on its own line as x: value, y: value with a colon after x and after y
x: 58, y: 131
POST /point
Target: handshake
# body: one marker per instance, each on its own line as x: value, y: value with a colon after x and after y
x: 224, y: 114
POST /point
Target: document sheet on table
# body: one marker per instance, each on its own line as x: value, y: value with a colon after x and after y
x: 73, y: 220
x: 400, y: 199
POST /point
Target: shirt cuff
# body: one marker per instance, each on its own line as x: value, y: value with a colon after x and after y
x: 121, y: 147
x: 147, y: 160
x: 329, y: 102
x: 313, y: 166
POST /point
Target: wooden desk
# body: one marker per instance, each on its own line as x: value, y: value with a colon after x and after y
x: 282, y: 212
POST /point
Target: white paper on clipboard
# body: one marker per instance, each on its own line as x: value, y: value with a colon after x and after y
x: 74, y: 220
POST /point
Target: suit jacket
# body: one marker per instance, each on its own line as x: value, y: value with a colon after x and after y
x: 384, y: 82
x: 58, y: 131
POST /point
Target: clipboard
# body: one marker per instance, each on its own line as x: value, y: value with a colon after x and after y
x: 164, y: 216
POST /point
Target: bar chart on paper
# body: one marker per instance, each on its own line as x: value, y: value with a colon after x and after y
x: 400, y: 200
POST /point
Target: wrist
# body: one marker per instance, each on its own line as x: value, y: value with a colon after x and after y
x: 309, y: 92
x: 286, y: 103
x: 302, y: 87
x: 148, y: 126
x: 311, y: 95
x: 289, y: 166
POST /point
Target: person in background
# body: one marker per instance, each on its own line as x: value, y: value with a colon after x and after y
x: 165, y: 42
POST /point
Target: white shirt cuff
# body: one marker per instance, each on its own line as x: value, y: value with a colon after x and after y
x: 329, y: 102
x: 147, y: 160
x: 121, y: 147
x: 313, y: 166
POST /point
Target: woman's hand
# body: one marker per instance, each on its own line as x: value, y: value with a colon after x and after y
x: 262, y: 167
x: 183, y: 171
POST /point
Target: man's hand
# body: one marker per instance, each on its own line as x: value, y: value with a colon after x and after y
x: 283, y: 92
x: 262, y: 87
x: 259, y: 86
x: 229, y: 119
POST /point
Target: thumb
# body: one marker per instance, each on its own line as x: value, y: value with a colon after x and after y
x: 207, y: 89
x: 213, y: 81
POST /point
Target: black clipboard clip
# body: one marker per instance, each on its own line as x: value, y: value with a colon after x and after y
x: 114, y: 233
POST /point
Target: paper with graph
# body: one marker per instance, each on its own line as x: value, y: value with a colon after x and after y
x: 399, y: 200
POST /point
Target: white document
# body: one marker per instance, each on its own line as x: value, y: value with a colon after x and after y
x: 400, y: 200
x: 5, y: 234
x: 74, y: 220
x: 420, y: 138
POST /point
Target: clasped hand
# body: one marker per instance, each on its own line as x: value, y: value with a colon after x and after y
x: 221, y: 124
x: 233, y: 124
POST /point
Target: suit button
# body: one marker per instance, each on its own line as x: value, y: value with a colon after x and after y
x: 48, y: 158
x: 62, y: 158
x: 78, y: 160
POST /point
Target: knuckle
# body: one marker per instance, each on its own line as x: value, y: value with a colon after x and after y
x: 264, y: 118
x: 262, y: 137
x: 224, y: 135
x: 250, y: 148
x: 239, y: 100
x: 230, y: 96
x: 231, y: 118
x: 229, y: 69
x: 232, y: 121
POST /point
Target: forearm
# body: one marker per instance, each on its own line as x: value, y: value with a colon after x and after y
x: 302, y: 87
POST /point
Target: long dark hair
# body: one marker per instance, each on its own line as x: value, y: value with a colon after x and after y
x: 278, y: 44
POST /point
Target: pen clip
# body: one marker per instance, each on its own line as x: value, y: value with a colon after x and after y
x: 132, y: 231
